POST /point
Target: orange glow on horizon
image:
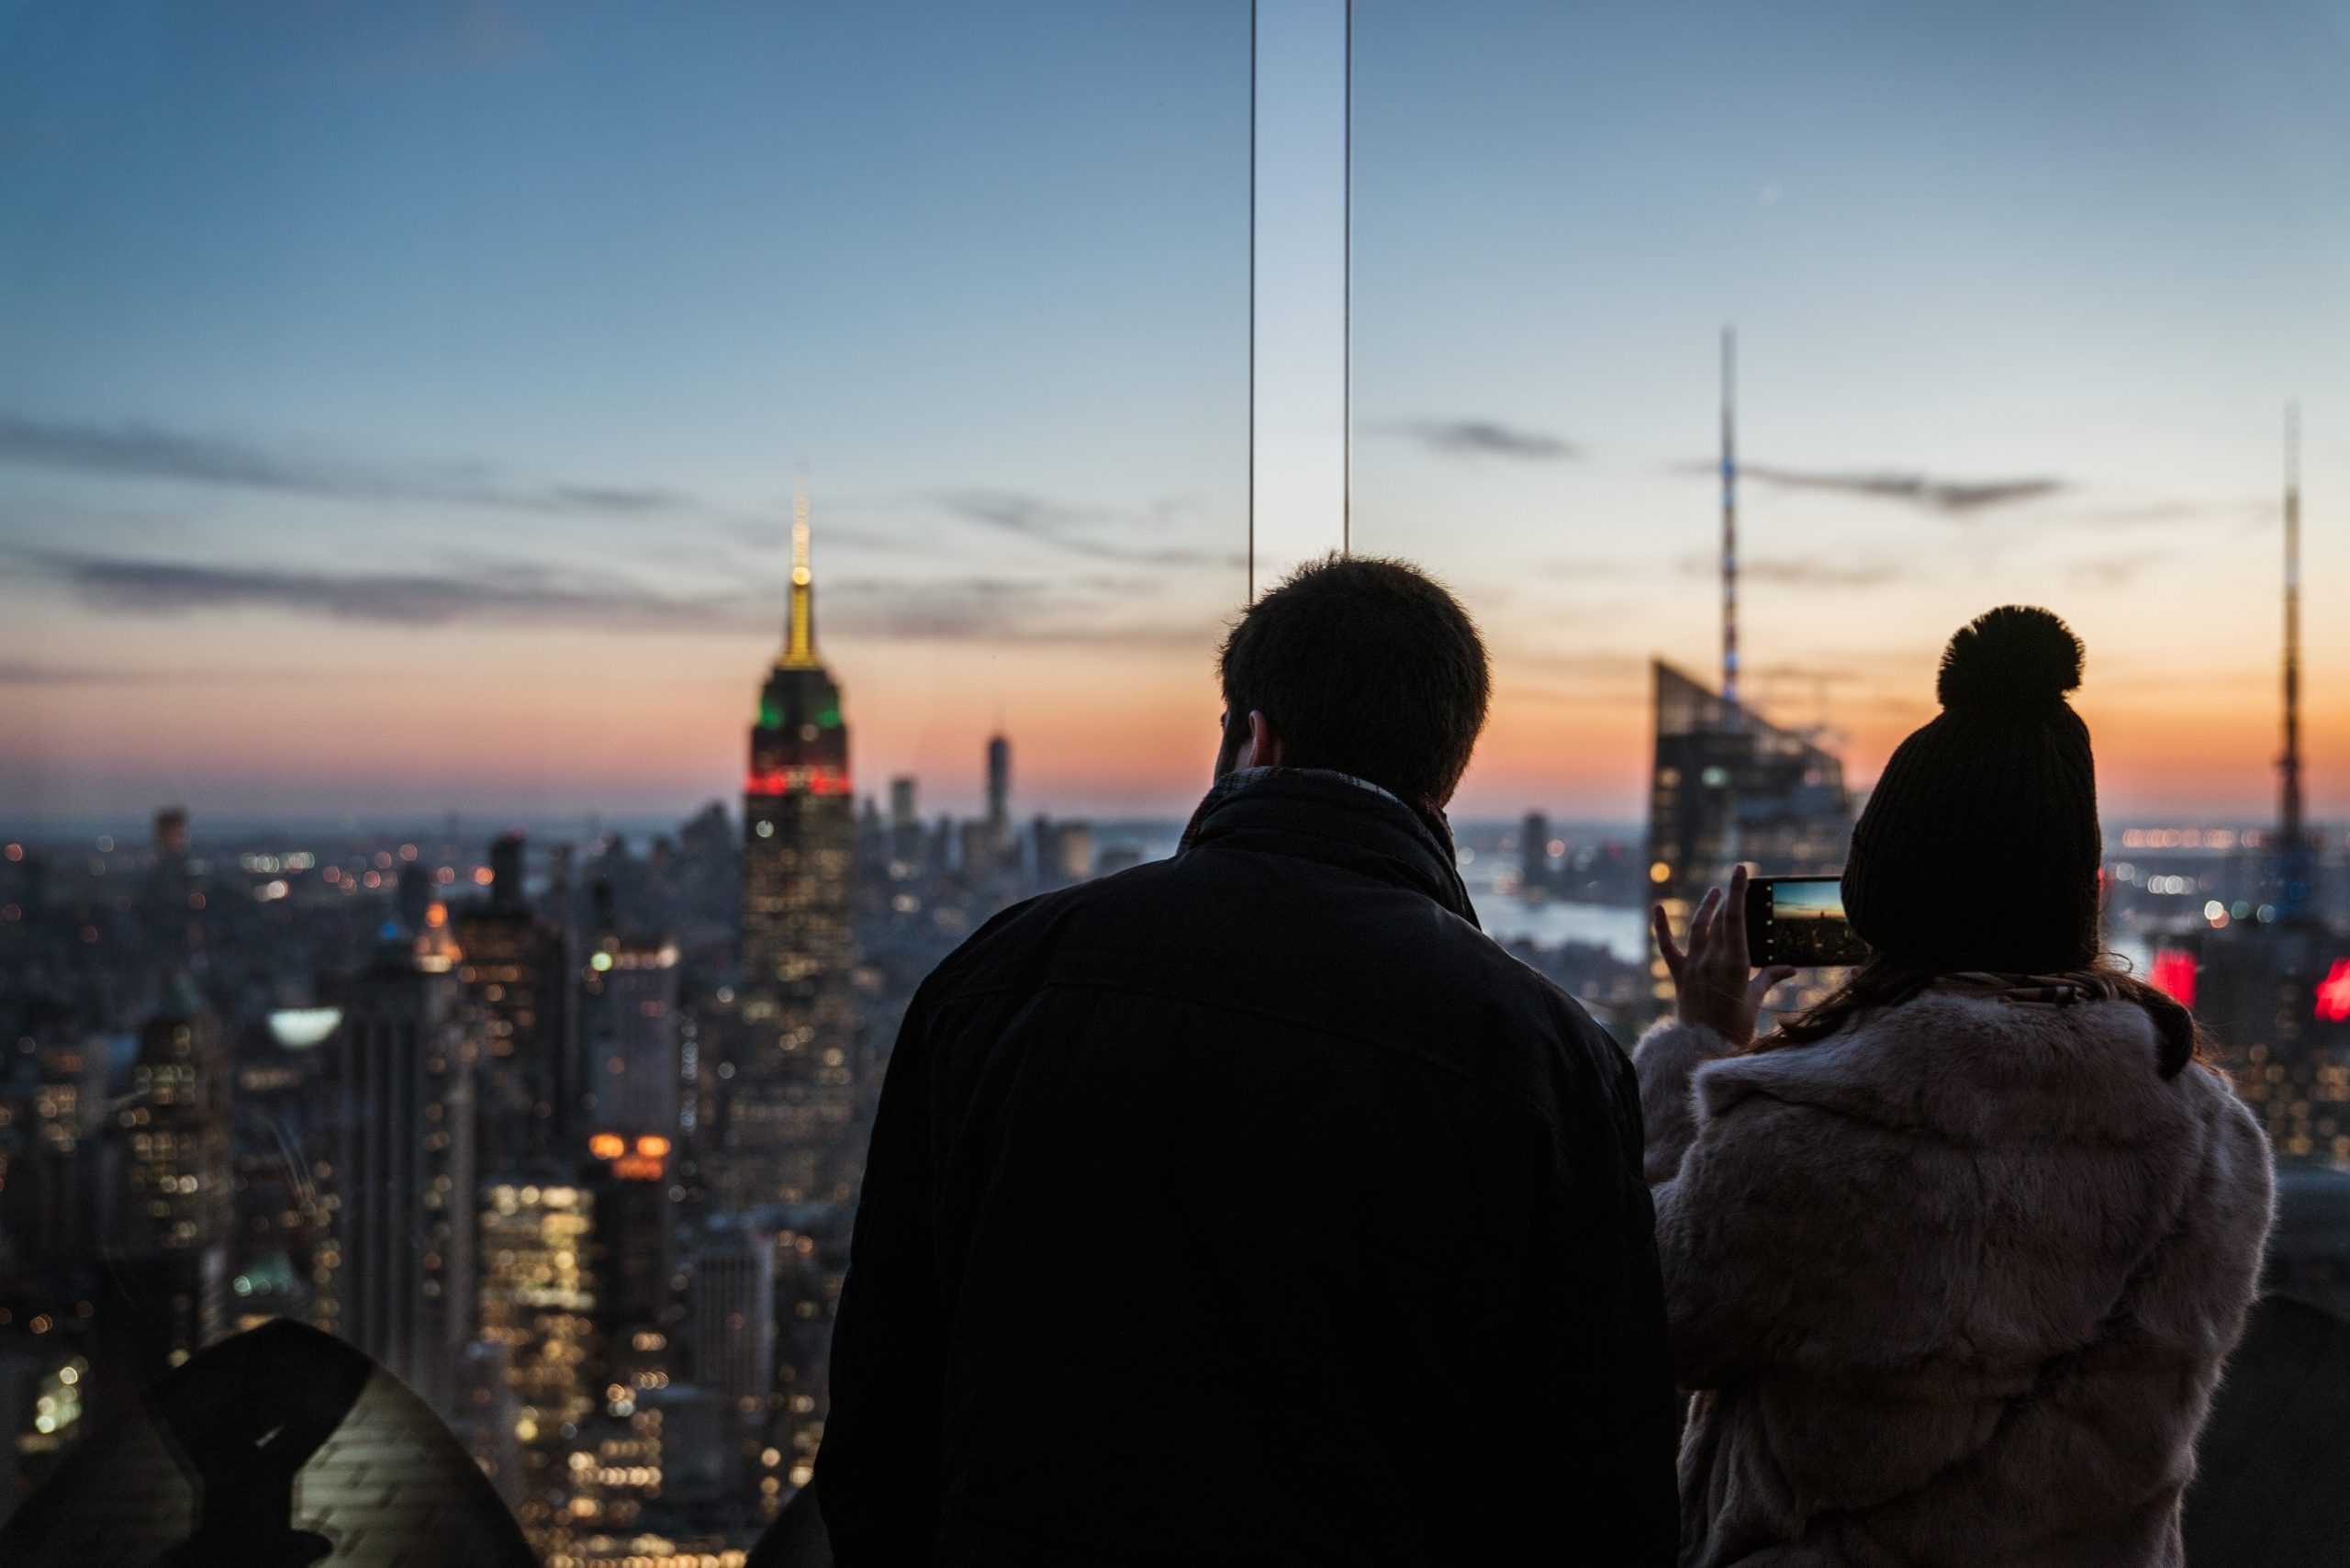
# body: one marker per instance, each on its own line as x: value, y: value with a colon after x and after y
x: 659, y: 725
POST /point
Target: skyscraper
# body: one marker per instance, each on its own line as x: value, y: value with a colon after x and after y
x: 790, y: 1092
x: 627, y: 1006
x: 1000, y: 783
x: 400, y: 1084
x: 1534, y: 855
x: 905, y: 821
x: 1728, y: 789
x: 538, y: 1303
x: 732, y: 1322
x: 2274, y: 979
x: 171, y: 833
x: 515, y: 972
x: 176, y: 1207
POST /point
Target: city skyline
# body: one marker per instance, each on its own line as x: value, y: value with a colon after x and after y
x: 471, y: 495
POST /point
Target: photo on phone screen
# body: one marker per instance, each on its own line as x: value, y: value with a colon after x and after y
x: 1799, y: 920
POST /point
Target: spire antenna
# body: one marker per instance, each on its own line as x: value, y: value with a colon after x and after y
x: 1730, y: 517
x: 799, y: 625
x: 2293, y: 858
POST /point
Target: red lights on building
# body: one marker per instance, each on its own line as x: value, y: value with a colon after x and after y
x: 2334, y: 994
x: 798, y: 780
x: 2174, y: 975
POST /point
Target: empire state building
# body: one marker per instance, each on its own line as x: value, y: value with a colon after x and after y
x: 788, y: 1104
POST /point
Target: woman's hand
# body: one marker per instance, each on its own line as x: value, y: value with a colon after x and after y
x: 1715, y: 985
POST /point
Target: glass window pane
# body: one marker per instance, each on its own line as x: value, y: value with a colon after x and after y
x: 554, y: 560
x: 2020, y: 298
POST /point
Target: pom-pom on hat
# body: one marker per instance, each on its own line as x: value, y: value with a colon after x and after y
x: 1979, y: 846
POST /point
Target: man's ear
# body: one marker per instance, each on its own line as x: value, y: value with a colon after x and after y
x: 1264, y: 743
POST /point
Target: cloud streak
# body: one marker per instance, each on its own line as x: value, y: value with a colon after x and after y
x: 2115, y: 571
x: 1950, y: 497
x: 1096, y: 610
x: 137, y: 451
x: 1798, y: 571
x: 27, y: 673
x: 1487, y: 437
x: 1085, y: 609
x: 525, y: 596
x: 1074, y: 530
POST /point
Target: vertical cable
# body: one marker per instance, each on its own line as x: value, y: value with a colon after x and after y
x: 1252, y: 301
x: 1347, y: 308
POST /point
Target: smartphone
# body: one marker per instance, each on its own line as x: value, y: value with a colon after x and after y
x: 1799, y: 920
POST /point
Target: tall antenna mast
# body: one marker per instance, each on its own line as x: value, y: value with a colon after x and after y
x: 799, y: 627
x: 2293, y: 859
x: 1729, y: 516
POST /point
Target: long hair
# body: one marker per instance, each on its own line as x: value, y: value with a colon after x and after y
x: 1882, y: 982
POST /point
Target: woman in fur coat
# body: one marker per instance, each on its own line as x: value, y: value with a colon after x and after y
x: 1952, y: 1260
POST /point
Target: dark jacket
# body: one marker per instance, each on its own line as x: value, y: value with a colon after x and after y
x: 1253, y: 1207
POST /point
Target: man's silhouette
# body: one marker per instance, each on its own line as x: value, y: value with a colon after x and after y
x: 1252, y: 1205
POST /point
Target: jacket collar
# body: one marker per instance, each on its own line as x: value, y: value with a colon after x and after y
x: 1336, y: 818
x: 1976, y: 1066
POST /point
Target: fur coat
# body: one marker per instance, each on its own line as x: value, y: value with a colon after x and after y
x: 1953, y: 1286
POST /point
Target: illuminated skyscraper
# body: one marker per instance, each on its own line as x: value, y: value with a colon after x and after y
x: 538, y: 1304
x: 1728, y: 788
x: 628, y: 1028
x: 790, y: 1090
x: 176, y: 1208
x: 515, y: 972
x: 619, y: 1455
x: 401, y: 1171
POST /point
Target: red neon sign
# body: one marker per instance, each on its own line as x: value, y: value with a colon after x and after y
x: 2173, y: 976
x: 798, y: 780
x: 2334, y: 994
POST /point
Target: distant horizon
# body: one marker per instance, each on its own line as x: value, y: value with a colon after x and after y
x: 486, y: 822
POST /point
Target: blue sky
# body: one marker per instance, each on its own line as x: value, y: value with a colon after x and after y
x: 407, y: 399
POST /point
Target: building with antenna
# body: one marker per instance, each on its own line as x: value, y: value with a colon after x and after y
x: 1725, y: 786
x: 790, y: 1091
x: 2295, y: 862
x: 2272, y: 982
x: 1730, y: 518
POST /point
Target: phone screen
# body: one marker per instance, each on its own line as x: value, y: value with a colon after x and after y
x: 1799, y: 920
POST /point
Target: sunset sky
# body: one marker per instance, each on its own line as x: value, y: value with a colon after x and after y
x: 403, y: 403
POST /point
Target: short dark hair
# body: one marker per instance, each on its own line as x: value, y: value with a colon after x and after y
x: 1365, y: 665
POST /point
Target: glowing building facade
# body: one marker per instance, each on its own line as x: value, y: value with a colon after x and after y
x: 790, y: 1093
x: 1728, y: 789
x: 176, y: 1207
x: 397, y: 1281
x: 516, y: 973
x: 538, y: 1305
